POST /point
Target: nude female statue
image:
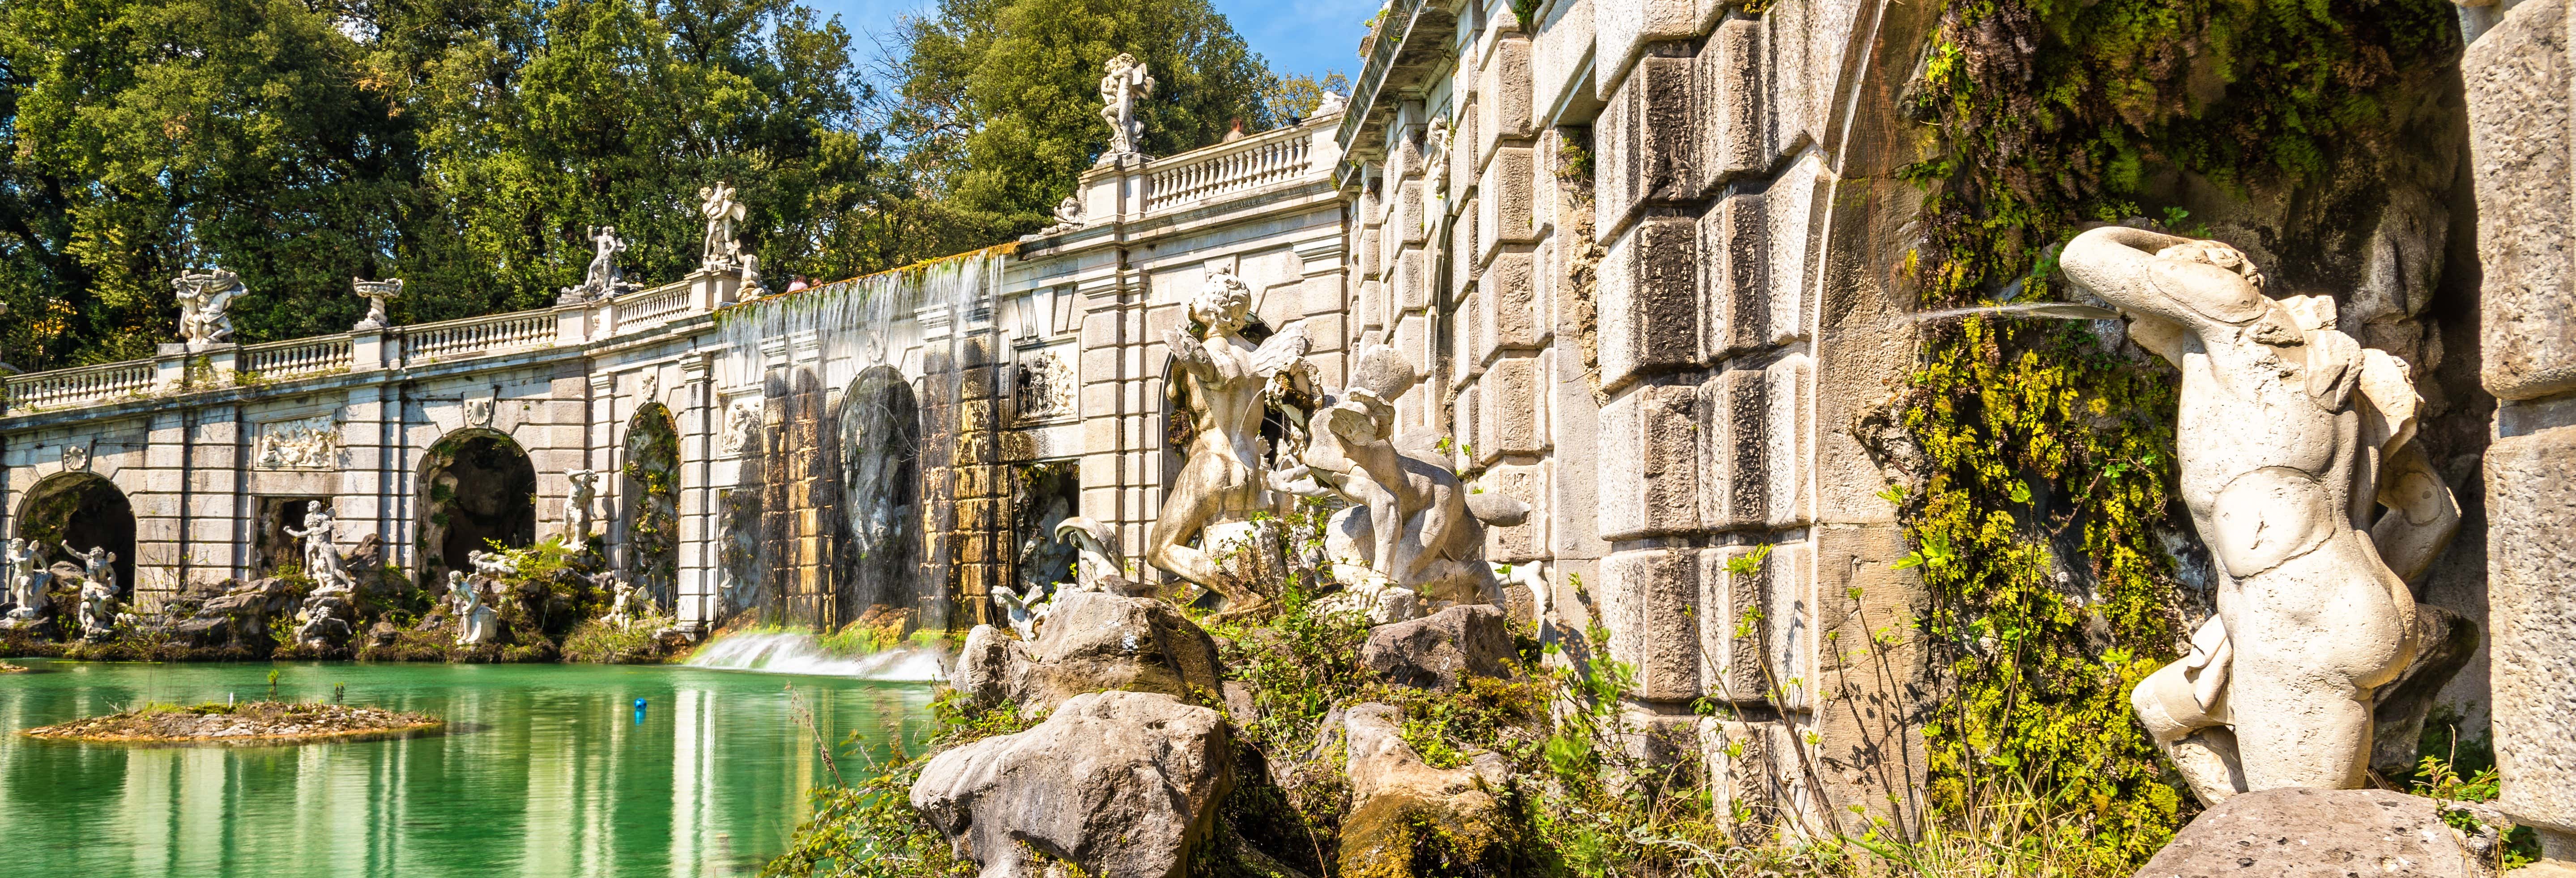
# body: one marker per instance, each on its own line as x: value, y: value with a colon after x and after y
x: 2289, y: 435
x: 1219, y: 382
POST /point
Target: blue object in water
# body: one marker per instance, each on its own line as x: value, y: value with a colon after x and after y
x: 639, y: 711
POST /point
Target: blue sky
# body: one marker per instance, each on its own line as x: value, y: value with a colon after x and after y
x: 1297, y: 36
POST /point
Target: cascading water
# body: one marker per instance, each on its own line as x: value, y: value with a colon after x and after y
x: 777, y: 652
x: 826, y: 523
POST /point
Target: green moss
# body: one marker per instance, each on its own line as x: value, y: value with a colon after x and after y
x: 2050, y: 453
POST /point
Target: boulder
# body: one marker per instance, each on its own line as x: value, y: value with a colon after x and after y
x: 1394, y: 793
x: 1092, y: 641
x: 1442, y: 650
x: 2325, y: 833
x: 1121, y: 784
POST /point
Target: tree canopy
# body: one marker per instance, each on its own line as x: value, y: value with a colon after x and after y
x: 466, y: 146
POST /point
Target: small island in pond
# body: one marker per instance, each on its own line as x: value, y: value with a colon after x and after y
x: 249, y: 722
x: 7, y: 668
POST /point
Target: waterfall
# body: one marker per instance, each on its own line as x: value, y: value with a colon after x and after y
x: 777, y: 652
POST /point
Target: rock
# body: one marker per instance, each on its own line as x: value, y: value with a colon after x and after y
x: 1442, y: 650
x: 383, y: 634
x: 2297, y: 831
x: 1121, y: 784
x: 1393, y: 791
x: 1093, y: 641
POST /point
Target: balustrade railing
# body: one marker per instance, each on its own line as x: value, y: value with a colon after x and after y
x: 477, y: 336
x: 650, y: 307
x: 296, y: 358
x: 1252, y: 163
x: 64, y: 387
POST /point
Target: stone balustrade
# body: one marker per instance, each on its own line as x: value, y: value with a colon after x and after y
x: 1241, y: 166
x: 63, y: 387
x: 478, y: 336
x: 296, y: 358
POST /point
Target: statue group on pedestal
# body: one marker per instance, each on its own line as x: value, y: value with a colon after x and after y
x: 203, y: 298
x: 1124, y: 82
x: 2291, y: 438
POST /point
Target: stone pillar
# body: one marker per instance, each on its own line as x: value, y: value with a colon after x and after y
x: 698, y: 567
x: 2518, y: 80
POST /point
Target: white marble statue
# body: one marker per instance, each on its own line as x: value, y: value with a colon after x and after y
x: 203, y: 298
x: 492, y: 564
x: 626, y: 603
x: 717, y: 206
x: 377, y: 292
x: 97, y: 608
x: 474, y: 618
x: 27, y: 578
x: 2290, y: 436
x: 322, y: 554
x: 1219, y: 379
x: 1098, y: 567
x: 580, y: 508
x: 1068, y: 217
x: 1413, y: 525
x: 602, y: 279
x: 98, y: 565
x: 1126, y: 81
x: 1332, y: 102
x: 1025, y: 612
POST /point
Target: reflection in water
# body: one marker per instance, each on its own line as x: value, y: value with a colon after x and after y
x: 547, y: 772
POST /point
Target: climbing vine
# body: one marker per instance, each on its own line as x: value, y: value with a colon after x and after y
x: 653, y: 465
x: 2048, y: 450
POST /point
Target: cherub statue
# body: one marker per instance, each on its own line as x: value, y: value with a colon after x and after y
x: 1126, y: 82
x: 580, y: 507
x: 2290, y: 435
x: 1219, y: 379
x: 27, y: 578
x: 321, y: 556
x: 717, y: 205
x: 625, y: 602
x: 203, y: 298
x: 98, y: 608
x: 1413, y: 524
x: 376, y: 291
x: 98, y: 565
x: 474, y: 618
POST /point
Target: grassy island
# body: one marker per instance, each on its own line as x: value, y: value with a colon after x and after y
x: 249, y: 722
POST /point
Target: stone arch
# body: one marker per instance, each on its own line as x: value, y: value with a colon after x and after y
x: 477, y: 485
x: 85, y: 510
x: 881, y: 504
x: 649, y: 504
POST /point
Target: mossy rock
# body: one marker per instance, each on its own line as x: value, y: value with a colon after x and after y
x: 1398, y: 834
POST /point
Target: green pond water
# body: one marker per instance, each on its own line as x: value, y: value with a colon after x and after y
x: 545, y: 770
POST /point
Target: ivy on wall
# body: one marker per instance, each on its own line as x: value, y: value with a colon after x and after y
x: 2048, y: 449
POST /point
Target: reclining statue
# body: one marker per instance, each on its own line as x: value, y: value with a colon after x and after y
x: 2290, y: 433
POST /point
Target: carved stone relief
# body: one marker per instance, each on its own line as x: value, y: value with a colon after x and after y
x: 302, y: 443
x: 1046, y: 386
x: 740, y: 423
x: 75, y: 458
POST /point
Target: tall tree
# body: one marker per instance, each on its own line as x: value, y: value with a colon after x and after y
x: 999, y: 100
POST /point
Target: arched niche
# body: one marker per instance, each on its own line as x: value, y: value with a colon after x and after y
x: 84, y: 510
x: 477, y: 487
x: 649, y: 505
x: 881, y: 509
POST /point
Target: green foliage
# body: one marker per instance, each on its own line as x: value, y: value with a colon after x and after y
x: 2049, y: 452
x: 998, y: 101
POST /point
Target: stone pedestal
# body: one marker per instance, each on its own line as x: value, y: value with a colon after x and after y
x: 2520, y: 141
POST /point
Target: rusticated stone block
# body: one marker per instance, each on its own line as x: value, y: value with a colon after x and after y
x: 1462, y: 241
x: 1726, y: 91
x: 1412, y: 279
x: 1643, y: 148
x: 1513, y: 400
x: 1647, y: 599
x: 1730, y: 634
x: 1508, y: 313
x: 1559, y: 56
x: 2531, y: 540
x: 2520, y: 136
x: 1503, y: 96
x: 1506, y: 211
x: 1735, y: 250
x: 1789, y: 408
x: 1625, y: 29
x: 1734, y: 425
x: 1789, y: 598
x: 1410, y: 210
x: 1648, y: 460
x: 1648, y: 299
x: 1526, y: 541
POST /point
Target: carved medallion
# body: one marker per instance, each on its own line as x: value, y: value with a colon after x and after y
x: 303, y: 443
x: 75, y: 458
x: 478, y: 412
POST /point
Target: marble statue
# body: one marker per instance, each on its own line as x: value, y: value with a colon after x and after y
x: 474, y: 618
x: 1435, y: 174
x: 716, y: 204
x: 324, y: 621
x: 98, y: 609
x: 1413, y: 525
x: 1068, y: 217
x: 1332, y: 102
x: 203, y: 298
x: 742, y: 424
x: 579, y: 509
x: 1098, y: 566
x: 98, y: 565
x: 603, y: 279
x: 1219, y: 379
x: 1025, y: 611
x: 491, y: 564
x: 321, y: 554
x: 27, y: 578
x: 2290, y: 434
x: 1125, y: 82
x: 626, y: 604
x: 747, y: 266
x: 377, y: 292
